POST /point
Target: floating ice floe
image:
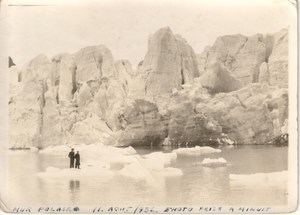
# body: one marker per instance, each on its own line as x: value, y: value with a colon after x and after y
x: 53, y: 172
x: 34, y: 149
x: 99, y: 160
x: 172, y: 172
x: 135, y: 171
x: 208, y: 162
x: 196, y: 151
x: 17, y: 152
x: 225, y: 140
x: 95, y: 151
x: 272, y: 179
x: 158, y: 160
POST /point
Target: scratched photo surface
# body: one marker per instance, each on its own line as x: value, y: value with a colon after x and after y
x: 172, y: 106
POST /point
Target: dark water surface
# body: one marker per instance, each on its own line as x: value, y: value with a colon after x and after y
x: 198, y: 186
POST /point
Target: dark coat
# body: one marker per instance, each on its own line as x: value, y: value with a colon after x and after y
x: 71, y: 155
x: 77, y: 159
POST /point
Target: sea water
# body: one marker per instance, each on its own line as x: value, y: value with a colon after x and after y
x: 198, y: 185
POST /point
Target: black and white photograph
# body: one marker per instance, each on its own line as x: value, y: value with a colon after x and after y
x: 148, y: 106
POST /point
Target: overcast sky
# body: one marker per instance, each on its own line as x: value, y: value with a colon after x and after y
x: 124, y: 26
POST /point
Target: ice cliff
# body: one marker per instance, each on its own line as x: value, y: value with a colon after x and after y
x: 236, y: 88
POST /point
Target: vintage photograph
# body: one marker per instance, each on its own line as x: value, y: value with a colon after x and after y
x: 127, y: 106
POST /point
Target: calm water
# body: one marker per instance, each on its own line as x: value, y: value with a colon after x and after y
x: 198, y: 186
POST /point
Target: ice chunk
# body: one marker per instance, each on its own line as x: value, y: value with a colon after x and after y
x: 57, y: 150
x: 91, y: 150
x: 228, y: 141
x: 196, y: 151
x: 208, y: 162
x: 172, y: 172
x: 136, y: 171
x: 16, y: 152
x: 165, y: 158
x: 34, y: 149
x: 272, y: 179
x: 53, y: 172
x: 167, y: 142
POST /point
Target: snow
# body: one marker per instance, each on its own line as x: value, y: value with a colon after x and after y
x: 272, y: 179
x: 208, y: 162
x: 196, y: 151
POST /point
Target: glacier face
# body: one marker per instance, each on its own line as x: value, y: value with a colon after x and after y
x: 238, y: 87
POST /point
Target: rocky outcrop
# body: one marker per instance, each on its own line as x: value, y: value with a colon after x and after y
x: 218, y: 78
x: 142, y: 124
x: 169, y: 63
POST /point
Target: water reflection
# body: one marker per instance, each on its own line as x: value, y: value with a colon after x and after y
x: 74, y: 186
x: 198, y: 185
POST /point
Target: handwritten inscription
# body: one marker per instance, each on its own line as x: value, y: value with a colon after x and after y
x: 22, y: 210
x: 144, y: 209
x: 178, y: 209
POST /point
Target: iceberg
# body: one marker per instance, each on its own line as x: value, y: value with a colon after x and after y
x: 208, y: 162
x: 172, y: 172
x: 272, y: 179
x: 196, y: 151
x: 98, y: 159
x: 135, y: 171
x: 86, y: 170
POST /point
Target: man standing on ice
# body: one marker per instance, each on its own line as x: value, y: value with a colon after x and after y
x: 72, y: 156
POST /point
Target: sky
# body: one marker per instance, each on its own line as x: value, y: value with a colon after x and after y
x: 124, y: 25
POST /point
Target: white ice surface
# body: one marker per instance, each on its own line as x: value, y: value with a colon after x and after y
x: 196, y: 151
x: 98, y: 160
x: 272, y: 179
x: 172, y: 172
x: 208, y: 162
x: 158, y: 160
